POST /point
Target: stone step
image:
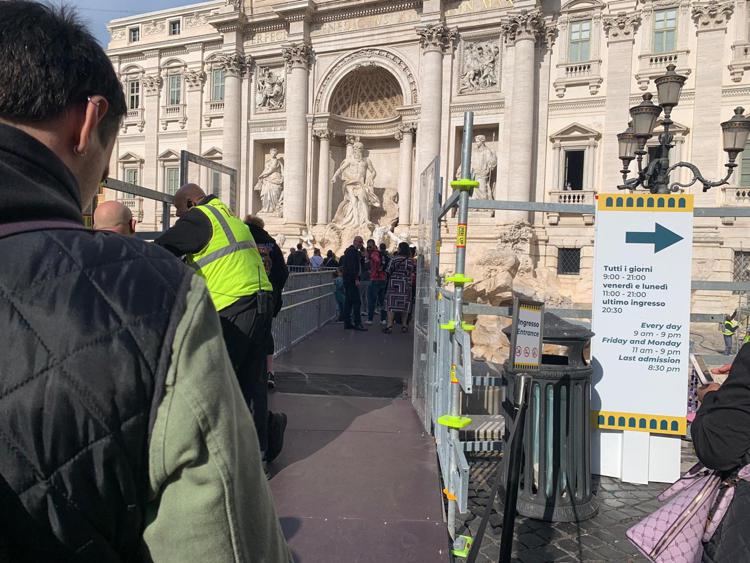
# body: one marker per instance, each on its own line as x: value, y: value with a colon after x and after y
x: 483, y: 427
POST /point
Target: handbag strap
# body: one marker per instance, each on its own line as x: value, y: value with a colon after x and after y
x: 10, y: 229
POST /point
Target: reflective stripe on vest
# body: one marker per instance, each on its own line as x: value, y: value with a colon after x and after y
x: 730, y: 327
x: 233, y: 246
x: 230, y: 261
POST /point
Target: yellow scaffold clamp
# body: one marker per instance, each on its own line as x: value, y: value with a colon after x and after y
x: 459, y: 279
x: 462, y: 546
x: 467, y: 327
x: 454, y: 379
x: 449, y: 495
x: 450, y: 325
x: 456, y: 422
x: 464, y: 185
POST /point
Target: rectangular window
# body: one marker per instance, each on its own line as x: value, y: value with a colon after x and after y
x: 568, y: 261
x: 574, y: 170
x: 134, y: 94
x: 215, y: 182
x: 665, y: 30
x: 580, y: 41
x: 174, y: 27
x: 134, y: 34
x: 217, y: 85
x: 172, y: 179
x: 131, y: 176
x: 741, y: 267
x: 175, y: 89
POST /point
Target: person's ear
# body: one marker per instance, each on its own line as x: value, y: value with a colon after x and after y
x: 132, y: 224
x: 96, y: 108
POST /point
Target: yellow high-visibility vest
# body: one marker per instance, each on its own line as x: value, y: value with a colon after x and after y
x: 730, y: 327
x: 230, y: 262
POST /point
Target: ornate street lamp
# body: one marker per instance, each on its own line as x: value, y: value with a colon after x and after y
x: 632, y: 143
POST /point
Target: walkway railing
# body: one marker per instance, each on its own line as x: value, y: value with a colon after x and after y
x: 308, y: 304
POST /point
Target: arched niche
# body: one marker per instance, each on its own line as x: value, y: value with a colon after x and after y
x: 365, y: 58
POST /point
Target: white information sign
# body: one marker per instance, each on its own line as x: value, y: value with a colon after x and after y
x: 641, y: 320
x: 526, y: 337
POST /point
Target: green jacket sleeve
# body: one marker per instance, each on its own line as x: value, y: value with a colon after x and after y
x: 210, y: 497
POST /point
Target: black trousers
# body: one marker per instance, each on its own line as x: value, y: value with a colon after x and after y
x: 246, y: 333
x: 352, y: 304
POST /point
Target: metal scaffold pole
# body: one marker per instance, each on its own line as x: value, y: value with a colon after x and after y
x: 463, y: 188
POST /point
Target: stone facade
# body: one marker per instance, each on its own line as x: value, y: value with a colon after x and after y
x: 550, y: 89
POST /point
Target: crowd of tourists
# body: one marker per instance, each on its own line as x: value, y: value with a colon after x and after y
x: 369, y: 282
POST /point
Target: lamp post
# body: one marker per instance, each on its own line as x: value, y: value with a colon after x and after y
x: 632, y: 142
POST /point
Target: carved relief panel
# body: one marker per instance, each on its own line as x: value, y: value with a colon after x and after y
x: 479, y: 66
x: 270, y: 89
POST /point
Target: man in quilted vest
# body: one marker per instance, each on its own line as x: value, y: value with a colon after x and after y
x: 123, y: 430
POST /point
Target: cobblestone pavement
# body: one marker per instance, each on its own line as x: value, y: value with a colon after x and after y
x: 601, y: 538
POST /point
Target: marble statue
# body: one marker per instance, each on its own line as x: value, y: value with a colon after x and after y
x: 271, y: 91
x: 483, y: 164
x: 270, y: 184
x: 480, y: 67
x: 358, y: 176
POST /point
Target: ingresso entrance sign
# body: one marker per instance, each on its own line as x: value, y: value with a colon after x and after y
x: 641, y: 321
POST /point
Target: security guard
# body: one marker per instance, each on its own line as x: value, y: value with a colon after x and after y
x: 729, y: 327
x: 222, y: 249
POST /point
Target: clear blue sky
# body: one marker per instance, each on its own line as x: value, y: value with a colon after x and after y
x: 96, y: 13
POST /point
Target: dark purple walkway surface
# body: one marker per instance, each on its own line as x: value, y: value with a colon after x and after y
x: 358, y: 477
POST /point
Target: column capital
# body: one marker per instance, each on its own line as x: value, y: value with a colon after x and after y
x: 152, y: 84
x: 550, y: 34
x: 437, y: 37
x: 406, y: 128
x: 324, y: 134
x: 194, y: 79
x: 621, y: 26
x: 526, y: 24
x: 235, y: 64
x: 712, y: 15
x: 297, y: 55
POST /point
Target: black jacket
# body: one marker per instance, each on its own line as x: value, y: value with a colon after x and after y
x: 351, y: 264
x: 190, y: 234
x: 273, y: 259
x: 721, y: 436
x: 87, y: 321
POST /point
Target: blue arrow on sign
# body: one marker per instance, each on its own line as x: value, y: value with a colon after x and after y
x: 661, y: 238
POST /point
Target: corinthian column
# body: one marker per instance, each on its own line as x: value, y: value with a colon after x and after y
x: 234, y: 65
x: 324, y: 190
x: 435, y: 40
x: 711, y: 20
x: 298, y: 57
x: 522, y: 30
x: 405, y: 135
x: 620, y: 30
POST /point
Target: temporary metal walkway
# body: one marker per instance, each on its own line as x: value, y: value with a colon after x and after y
x: 357, y: 480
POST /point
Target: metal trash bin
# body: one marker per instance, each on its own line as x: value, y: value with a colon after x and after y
x: 555, y: 483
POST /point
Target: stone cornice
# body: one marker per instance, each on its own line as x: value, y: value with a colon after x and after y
x: 621, y: 26
x: 582, y: 103
x: 526, y: 24
x: 297, y: 55
x: 296, y: 10
x: 234, y: 64
x: 712, y: 15
x: 437, y: 37
x: 374, y: 10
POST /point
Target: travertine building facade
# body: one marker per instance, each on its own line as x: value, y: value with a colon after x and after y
x: 550, y: 86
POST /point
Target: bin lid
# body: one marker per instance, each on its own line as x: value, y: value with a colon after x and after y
x: 557, y: 329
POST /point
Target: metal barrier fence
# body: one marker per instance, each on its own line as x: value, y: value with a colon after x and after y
x: 438, y: 368
x: 308, y: 303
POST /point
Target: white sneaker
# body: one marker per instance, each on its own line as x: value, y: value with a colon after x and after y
x: 368, y: 322
x: 383, y: 323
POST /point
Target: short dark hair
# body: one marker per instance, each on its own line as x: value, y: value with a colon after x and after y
x: 299, y: 246
x: 50, y: 61
x: 403, y: 249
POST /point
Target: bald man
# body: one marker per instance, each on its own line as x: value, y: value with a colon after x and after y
x: 115, y: 217
x: 222, y: 248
